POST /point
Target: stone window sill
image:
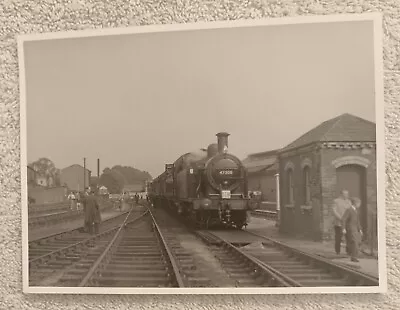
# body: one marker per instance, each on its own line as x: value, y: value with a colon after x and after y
x: 306, y: 209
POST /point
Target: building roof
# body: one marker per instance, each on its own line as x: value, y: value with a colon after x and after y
x: 260, y: 161
x: 343, y: 128
x: 263, y: 154
x: 133, y: 188
x: 74, y: 166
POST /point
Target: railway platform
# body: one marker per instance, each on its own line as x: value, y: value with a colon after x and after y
x: 367, y: 264
x: 39, y: 233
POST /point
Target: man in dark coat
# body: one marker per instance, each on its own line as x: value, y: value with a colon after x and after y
x: 351, y: 223
x: 92, y: 213
x: 341, y: 204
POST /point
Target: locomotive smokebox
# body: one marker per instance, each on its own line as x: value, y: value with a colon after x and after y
x: 222, y: 141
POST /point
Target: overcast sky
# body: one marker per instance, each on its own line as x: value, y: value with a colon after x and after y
x: 145, y: 99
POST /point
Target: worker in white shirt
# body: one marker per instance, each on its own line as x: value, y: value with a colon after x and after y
x: 72, y: 199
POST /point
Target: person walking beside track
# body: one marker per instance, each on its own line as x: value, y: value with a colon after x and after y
x: 125, y: 201
x: 78, y: 197
x: 341, y: 204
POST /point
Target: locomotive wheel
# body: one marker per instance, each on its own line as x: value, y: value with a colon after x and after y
x: 239, y: 225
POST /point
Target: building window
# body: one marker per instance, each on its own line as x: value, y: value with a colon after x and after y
x: 290, y: 186
x: 306, y: 185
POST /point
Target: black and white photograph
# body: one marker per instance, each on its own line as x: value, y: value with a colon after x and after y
x: 237, y: 157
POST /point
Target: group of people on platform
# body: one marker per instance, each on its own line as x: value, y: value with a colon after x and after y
x: 347, y: 222
x: 127, y: 200
x: 75, y: 201
x: 88, y: 202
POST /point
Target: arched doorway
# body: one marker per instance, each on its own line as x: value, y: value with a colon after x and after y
x: 352, y: 177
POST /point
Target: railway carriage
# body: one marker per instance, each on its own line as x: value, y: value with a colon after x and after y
x: 208, y: 186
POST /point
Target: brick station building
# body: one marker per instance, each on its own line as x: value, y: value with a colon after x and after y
x: 338, y: 154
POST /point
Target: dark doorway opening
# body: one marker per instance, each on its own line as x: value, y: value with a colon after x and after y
x: 353, y: 178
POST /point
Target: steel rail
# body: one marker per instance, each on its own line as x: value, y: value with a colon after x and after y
x: 106, y: 251
x: 365, y: 278
x: 280, y: 274
x: 273, y: 275
x: 171, y: 258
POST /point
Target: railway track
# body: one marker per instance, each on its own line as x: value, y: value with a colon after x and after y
x: 132, y: 254
x: 147, y: 247
x: 294, y: 267
x: 203, y: 265
x: 137, y: 256
x: 244, y: 269
x: 59, y: 250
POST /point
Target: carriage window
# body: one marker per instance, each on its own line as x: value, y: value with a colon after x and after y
x: 290, y: 186
x: 306, y: 185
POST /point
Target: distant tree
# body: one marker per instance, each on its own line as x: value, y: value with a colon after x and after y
x: 132, y: 175
x: 119, y: 177
x: 123, y: 175
x: 44, y: 167
x: 106, y: 170
x: 109, y: 181
x: 94, y: 181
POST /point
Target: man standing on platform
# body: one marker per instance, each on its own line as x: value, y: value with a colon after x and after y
x: 341, y: 204
x: 92, y: 212
x: 352, y: 228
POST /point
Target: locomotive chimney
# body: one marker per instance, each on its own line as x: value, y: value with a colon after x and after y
x: 222, y: 141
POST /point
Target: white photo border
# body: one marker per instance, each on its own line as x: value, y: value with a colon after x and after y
x: 377, y: 20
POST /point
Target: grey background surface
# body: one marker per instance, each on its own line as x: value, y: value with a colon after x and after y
x: 43, y: 16
x: 131, y: 95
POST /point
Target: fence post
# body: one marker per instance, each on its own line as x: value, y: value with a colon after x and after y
x: 278, y: 204
x: 373, y: 232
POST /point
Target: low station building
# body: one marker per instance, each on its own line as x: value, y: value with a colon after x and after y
x: 338, y: 154
x: 75, y: 177
x: 39, y: 190
x: 261, y: 172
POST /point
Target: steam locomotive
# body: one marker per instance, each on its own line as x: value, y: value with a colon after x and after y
x: 208, y: 187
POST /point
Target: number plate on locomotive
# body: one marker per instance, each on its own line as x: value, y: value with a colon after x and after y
x: 226, y: 194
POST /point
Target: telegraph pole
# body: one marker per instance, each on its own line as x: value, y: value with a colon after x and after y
x: 98, y: 173
x: 84, y: 173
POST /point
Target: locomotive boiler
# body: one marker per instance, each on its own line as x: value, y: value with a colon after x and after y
x: 208, y: 186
